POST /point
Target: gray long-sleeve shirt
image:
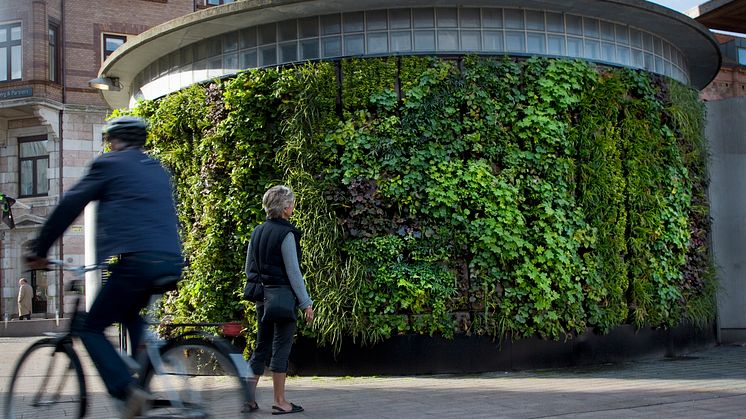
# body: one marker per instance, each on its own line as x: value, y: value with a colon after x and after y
x: 292, y: 267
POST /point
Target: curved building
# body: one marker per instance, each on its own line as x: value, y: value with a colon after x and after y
x: 221, y: 41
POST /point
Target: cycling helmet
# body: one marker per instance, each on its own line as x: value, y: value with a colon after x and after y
x: 129, y: 129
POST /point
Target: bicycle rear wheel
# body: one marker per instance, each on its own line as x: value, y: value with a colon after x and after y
x: 47, y: 382
x: 199, y: 378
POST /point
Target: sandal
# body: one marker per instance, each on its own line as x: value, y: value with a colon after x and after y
x: 248, y: 407
x: 277, y: 410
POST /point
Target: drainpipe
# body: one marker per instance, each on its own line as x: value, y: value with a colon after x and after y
x: 61, y: 282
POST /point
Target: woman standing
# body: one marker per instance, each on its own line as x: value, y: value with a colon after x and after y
x: 273, y: 258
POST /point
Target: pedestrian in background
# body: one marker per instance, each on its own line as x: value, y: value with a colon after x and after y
x: 273, y: 258
x: 25, y: 294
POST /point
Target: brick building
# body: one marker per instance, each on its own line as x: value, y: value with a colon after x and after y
x: 50, y: 118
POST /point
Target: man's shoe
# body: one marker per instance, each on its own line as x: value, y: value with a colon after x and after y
x: 137, y: 402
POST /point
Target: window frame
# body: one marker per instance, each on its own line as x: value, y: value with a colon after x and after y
x: 54, y: 53
x: 35, y: 167
x: 8, y: 44
x: 106, y: 36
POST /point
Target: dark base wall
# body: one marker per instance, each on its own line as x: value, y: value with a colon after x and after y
x: 415, y: 354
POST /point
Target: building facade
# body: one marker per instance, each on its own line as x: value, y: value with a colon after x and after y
x: 50, y: 118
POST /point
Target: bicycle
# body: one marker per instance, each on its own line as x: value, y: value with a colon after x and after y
x: 193, y: 374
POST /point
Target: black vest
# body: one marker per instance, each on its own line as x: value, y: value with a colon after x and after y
x: 266, y: 245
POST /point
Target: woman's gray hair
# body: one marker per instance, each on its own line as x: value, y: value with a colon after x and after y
x: 276, y: 199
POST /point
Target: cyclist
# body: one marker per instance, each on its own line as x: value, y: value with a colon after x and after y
x: 137, y: 223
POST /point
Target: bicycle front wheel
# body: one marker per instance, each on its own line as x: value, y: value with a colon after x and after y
x: 196, y: 378
x: 47, y: 382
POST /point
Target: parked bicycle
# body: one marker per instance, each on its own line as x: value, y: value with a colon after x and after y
x: 192, y: 374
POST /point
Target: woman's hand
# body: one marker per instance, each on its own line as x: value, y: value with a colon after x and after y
x: 309, y: 314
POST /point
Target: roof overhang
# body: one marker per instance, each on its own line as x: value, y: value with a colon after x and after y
x: 691, y: 37
x: 723, y: 15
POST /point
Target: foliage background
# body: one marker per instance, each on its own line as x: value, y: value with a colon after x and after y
x: 438, y: 196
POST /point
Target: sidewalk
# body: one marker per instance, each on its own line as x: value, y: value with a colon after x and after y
x: 707, y: 384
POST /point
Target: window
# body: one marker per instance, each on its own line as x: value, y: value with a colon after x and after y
x: 742, y: 56
x: 217, y: 2
x: 112, y: 42
x: 54, y: 53
x: 33, y: 159
x: 11, y: 56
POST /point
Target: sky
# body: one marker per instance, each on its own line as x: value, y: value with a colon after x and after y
x: 679, y: 5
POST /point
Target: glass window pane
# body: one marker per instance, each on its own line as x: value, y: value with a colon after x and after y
x: 267, y: 34
x: 354, y: 22
x: 514, y: 19
x: 230, y: 61
x: 288, y: 52
x: 649, y: 62
x: 574, y: 46
x: 309, y: 27
x: 607, y: 31
x: 309, y: 49
x: 647, y: 42
x: 423, y: 18
x: 424, y: 40
x: 608, y: 52
x: 248, y: 59
x: 555, y: 22
x: 555, y: 45
x: 470, y: 18
x: 590, y: 27
x: 592, y: 49
x: 400, y: 19
x: 536, y: 43
x: 574, y: 24
x: 42, y: 186
x: 27, y: 177
x: 471, y: 41
x: 492, y: 18
x: 378, y: 43
x: 230, y: 41
x: 331, y: 46
x: 215, y: 63
x: 3, y: 63
x: 447, y: 17
x: 330, y: 24
x: 742, y: 56
x: 493, y: 41
x: 622, y: 55
x: 622, y: 34
x: 33, y: 149
x: 355, y: 44
x: 401, y: 41
x: 186, y: 56
x: 268, y: 55
x: 637, y: 59
x: 659, y: 68
x: 248, y: 38
x: 447, y: 40
x: 288, y: 30
x: 215, y: 46
x: 377, y: 20
x: 15, y: 33
x: 16, y: 61
x: 635, y: 37
x: 535, y: 20
x: 515, y: 41
x: 3, y: 35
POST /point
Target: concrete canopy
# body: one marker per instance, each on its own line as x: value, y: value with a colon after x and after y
x: 693, y: 39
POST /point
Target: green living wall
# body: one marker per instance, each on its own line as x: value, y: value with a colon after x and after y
x: 479, y: 196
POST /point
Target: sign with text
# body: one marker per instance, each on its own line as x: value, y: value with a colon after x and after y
x: 16, y: 93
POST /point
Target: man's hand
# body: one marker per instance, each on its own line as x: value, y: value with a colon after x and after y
x: 309, y: 314
x: 36, y: 262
